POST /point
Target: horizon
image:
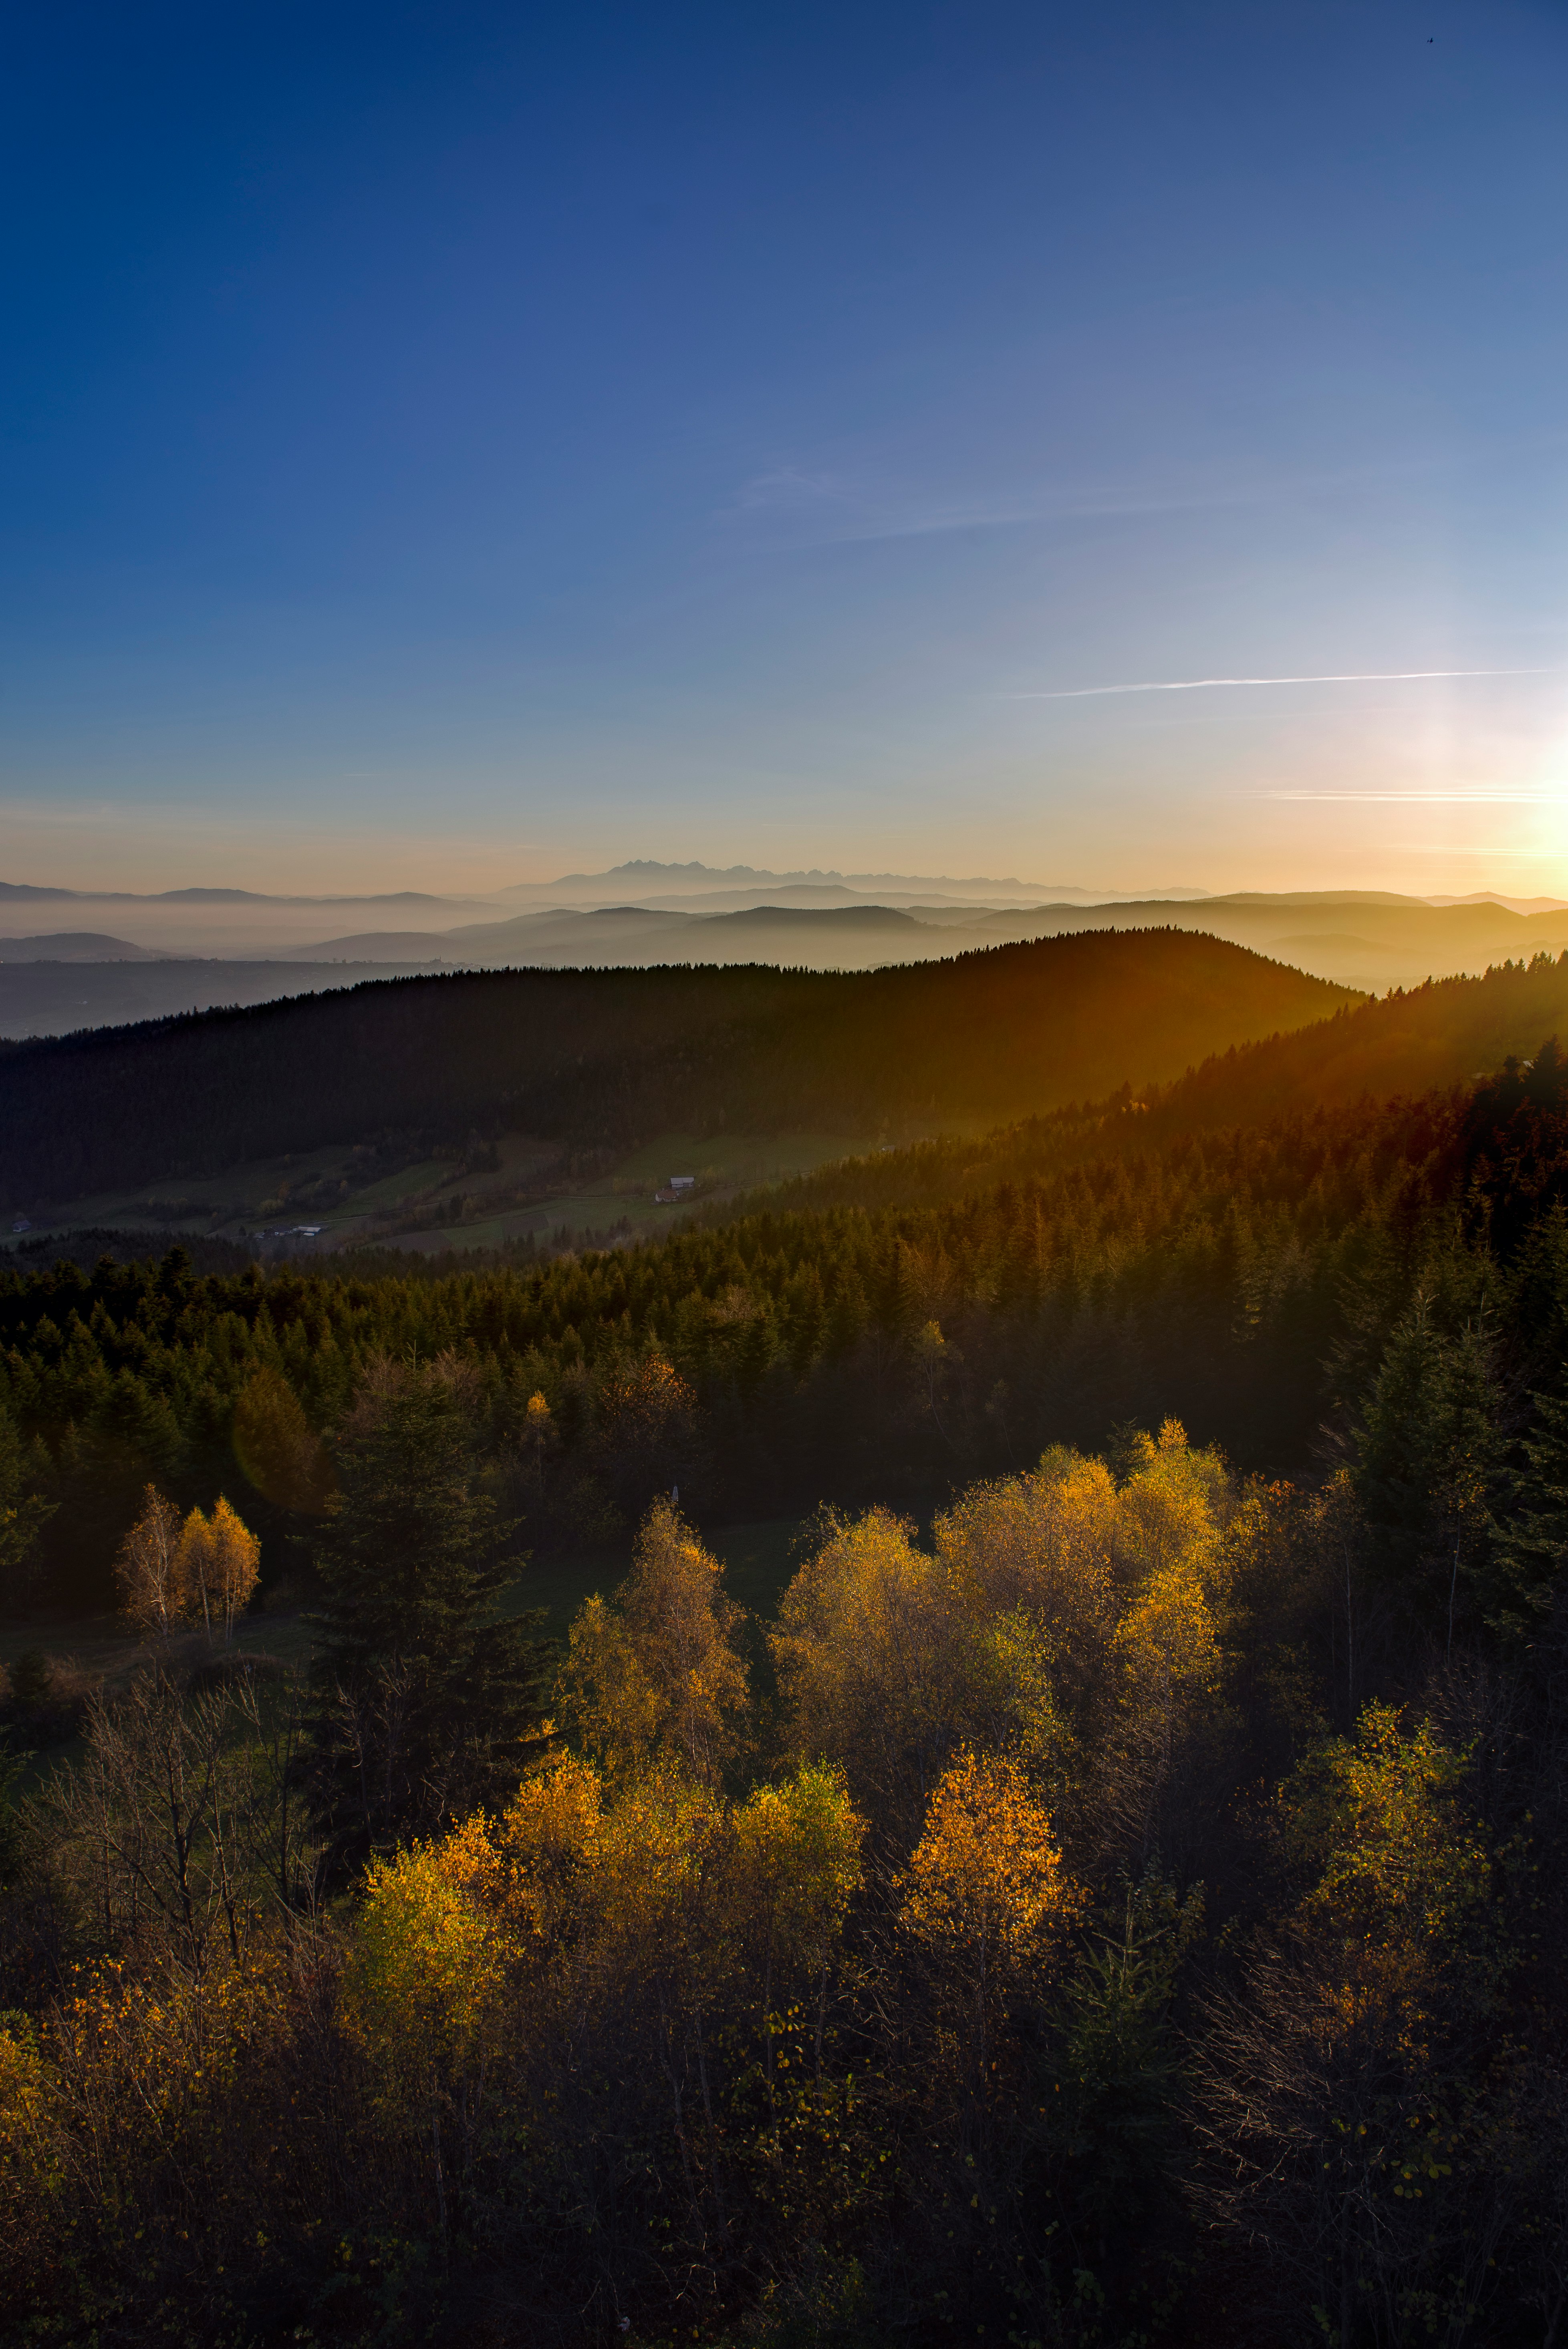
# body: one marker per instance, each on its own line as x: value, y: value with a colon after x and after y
x: 436, y: 446
x: 16, y: 896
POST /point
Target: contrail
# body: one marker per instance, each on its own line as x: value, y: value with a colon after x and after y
x: 1477, y: 798
x: 1353, y: 677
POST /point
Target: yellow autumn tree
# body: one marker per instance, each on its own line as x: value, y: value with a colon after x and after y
x: 1405, y: 1881
x: 423, y: 1998
x: 1173, y: 1506
x: 1168, y: 1649
x: 1165, y: 1669
x: 538, y: 1445
x: 875, y: 1663
x: 427, y: 1960
x: 646, y: 1932
x: 797, y: 1866
x: 1017, y: 1700
x: 153, y: 1592
x: 34, y: 2152
x: 1044, y: 1547
x: 984, y: 1884
x: 1046, y: 1540
x: 986, y: 1901
x: 654, y: 1670
x: 543, y: 1866
x: 218, y: 1564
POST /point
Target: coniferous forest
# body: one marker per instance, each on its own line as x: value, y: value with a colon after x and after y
x: 598, y: 1057
x: 1115, y: 1898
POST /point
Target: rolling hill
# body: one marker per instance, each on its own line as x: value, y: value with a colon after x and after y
x: 1369, y: 940
x: 1437, y: 1039
x: 52, y: 993
x: 1431, y: 1038
x: 607, y: 1057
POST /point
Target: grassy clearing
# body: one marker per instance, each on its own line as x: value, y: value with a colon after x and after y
x: 266, y: 1191
x: 260, y: 1188
x: 757, y: 1559
x: 723, y: 1166
x: 98, y: 1651
x: 394, y: 1189
x: 201, y: 1204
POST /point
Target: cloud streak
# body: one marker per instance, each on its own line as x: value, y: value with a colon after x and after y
x: 1479, y: 797
x: 1348, y: 677
x: 838, y: 509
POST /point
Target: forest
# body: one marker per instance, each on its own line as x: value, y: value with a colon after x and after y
x: 1114, y: 1898
x: 606, y: 1057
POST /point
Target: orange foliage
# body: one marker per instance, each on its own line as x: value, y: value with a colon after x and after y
x: 985, y: 1884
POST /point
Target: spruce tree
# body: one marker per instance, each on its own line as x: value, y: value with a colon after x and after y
x: 427, y: 1699
x: 1533, y: 1548
x: 24, y: 1513
x: 1428, y: 1462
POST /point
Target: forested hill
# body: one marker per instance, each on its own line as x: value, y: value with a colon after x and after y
x: 1433, y: 1039
x: 1442, y: 1034
x: 614, y: 1056
x: 1247, y: 1281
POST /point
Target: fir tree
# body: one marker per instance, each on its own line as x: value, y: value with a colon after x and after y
x: 1533, y: 1548
x: 427, y: 1699
x: 1429, y: 1461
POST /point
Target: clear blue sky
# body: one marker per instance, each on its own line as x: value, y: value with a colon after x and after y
x: 449, y: 444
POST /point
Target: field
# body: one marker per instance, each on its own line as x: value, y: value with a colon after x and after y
x: 431, y: 1204
x: 621, y: 1201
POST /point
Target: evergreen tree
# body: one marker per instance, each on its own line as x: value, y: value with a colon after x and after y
x: 24, y: 1513
x: 427, y: 1699
x: 1429, y: 1462
x: 1533, y: 1548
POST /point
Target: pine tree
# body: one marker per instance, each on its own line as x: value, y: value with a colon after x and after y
x: 276, y: 1446
x: 24, y: 1513
x: 1533, y: 1549
x: 427, y: 1699
x: 1429, y: 1461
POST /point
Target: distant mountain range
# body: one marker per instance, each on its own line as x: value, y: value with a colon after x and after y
x: 677, y: 886
x: 194, y: 948
x: 1370, y: 940
x: 75, y: 946
x: 26, y: 890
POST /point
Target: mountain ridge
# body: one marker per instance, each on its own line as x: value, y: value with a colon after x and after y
x: 598, y: 1057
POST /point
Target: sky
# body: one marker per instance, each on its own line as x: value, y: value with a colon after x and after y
x: 445, y: 446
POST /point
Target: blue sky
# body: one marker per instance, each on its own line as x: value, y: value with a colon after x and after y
x: 447, y: 445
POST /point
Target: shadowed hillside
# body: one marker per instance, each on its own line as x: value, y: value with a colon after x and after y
x: 1433, y: 1039
x: 605, y: 1056
x: 1441, y: 1034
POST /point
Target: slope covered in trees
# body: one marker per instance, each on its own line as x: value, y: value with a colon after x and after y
x: 1244, y: 1278
x: 1441, y: 1036
x: 607, y: 1057
x: 1123, y: 1910
x: 1447, y: 1032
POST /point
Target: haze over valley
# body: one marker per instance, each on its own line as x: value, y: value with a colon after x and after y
x: 194, y: 948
